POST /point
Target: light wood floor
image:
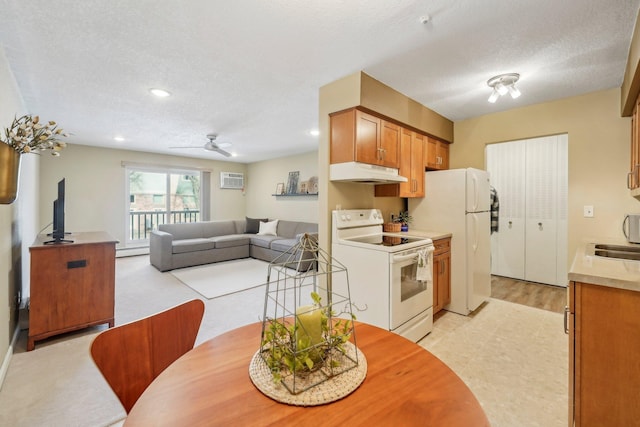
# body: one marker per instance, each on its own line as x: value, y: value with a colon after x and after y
x: 546, y: 297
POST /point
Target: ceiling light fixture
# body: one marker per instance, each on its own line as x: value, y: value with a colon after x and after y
x: 314, y: 132
x: 503, y: 84
x: 118, y: 138
x: 160, y: 93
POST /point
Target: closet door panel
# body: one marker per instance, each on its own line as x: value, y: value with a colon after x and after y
x: 542, y: 210
x: 506, y: 166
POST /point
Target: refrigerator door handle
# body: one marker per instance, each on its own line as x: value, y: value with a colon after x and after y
x: 475, y: 233
x: 475, y: 193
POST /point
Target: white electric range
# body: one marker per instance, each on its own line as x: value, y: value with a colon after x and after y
x: 381, y: 269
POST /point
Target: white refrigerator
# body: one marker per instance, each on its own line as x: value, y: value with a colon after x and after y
x: 458, y: 201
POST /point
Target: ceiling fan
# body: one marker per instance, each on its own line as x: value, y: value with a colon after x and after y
x: 212, y: 145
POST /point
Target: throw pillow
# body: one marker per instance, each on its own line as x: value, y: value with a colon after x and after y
x: 268, y: 228
x: 253, y: 224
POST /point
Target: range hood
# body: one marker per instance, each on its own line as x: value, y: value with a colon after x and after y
x: 364, y: 173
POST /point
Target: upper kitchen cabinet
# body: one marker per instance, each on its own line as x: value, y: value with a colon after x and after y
x: 411, y: 166
x: 361, y: 137
x: 436, y: 154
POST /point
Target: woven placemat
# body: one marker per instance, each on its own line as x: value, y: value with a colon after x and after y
x: 332, y: 389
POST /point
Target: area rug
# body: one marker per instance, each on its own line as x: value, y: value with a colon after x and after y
x: 224, y: 278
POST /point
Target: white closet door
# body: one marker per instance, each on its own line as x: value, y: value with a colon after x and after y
x: 506, y: 166
x: 562, y: 165
x: 542, y: 210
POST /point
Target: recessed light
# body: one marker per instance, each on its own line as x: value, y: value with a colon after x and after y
x: 314, y: 132
x: 160, y: 93
x: 118, y: 138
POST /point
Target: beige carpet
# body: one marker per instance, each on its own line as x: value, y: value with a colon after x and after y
x: 224, y: 278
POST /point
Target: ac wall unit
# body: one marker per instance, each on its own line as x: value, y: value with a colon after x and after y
x: 232, y: 180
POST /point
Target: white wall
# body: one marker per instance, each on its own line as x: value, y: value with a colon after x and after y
x: 262, y: 178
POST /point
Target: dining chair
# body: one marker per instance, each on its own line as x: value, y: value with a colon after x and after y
x: 132, y: 355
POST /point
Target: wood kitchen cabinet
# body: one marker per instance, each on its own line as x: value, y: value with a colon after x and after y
x: 604, y: 345
x: 72, y: 285
x: 436, y: 156
x: 357, y: 136
x: 441, y: 274
x: 411, y: 167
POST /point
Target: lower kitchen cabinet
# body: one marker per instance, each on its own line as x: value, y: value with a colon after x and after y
x: 441, y: 274
x: 604, y: 346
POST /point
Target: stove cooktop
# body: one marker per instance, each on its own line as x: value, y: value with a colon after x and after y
x: 386, y: 239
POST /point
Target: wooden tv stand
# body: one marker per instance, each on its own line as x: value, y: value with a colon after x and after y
x: 72, y: 284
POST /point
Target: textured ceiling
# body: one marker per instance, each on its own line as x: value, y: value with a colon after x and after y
x: 250, y: 70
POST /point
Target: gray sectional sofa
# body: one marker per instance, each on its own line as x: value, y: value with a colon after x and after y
x: 188, y: 244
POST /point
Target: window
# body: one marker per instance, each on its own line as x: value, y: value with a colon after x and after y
x: 157, y: 196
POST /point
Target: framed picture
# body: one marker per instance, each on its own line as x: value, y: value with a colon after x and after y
x: 304, y: 187
x: 292, y: 182
x: 312, y: 185
x: 280, y: 188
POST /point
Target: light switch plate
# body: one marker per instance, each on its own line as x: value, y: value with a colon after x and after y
x: 588, y: 211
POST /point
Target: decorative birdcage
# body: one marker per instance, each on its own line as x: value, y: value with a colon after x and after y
x: 308, y: 353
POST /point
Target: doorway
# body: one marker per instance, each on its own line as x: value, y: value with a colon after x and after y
x: 530, y: 177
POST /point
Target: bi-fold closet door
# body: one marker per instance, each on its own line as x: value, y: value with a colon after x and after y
x: 530, y: 177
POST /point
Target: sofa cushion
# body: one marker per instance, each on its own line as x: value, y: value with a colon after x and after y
x: 253, y: 224
x: 268, y: 228
x: 187, y: 230
x: 263, y: 241
x: 231, y: 240
x: 192, y: 245
x: 283, y: 245
x: 218, y: 228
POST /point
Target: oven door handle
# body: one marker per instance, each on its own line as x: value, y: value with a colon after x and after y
x: 400, y: 258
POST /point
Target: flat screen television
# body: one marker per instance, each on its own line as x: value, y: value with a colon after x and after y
x: 58, y: 234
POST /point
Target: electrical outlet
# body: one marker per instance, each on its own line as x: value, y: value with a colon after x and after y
x: 588, y: 211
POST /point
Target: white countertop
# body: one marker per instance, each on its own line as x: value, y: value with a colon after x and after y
x: 433, y: 235
x: 612, y: 272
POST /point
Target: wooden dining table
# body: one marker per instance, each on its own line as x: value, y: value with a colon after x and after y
x: 210, y: 385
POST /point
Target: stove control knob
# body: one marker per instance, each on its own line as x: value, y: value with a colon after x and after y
x: 348, y: 217
x: 343, y: 217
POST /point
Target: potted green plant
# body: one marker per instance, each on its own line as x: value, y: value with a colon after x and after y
x: 405, y: 219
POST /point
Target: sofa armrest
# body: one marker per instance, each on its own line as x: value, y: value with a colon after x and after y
x: 160, y: 249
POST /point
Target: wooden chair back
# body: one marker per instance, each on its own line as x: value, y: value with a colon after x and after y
x: 132, y: 355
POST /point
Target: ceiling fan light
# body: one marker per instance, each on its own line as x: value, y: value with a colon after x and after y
x: 513, y: 91
x: 502, y: 89
x: 494, y: 96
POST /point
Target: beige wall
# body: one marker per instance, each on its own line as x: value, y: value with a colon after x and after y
x: 12, y: 220
x: 95, y: 184
x: 261, y: 185
x: 359, y: 89
x: 599, y: 146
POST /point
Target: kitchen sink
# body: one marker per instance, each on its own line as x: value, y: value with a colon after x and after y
x: 617, y: 251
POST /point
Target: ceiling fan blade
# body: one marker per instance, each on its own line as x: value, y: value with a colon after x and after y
x: 192, y: 146
x: 221, y: 151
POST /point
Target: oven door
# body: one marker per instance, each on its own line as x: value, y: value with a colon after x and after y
x: 408, y: 296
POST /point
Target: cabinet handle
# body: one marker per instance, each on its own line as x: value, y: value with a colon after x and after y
x: 629, y: 180
x: 510, y: 224
x: 540, y: 225
x: 566, y: 319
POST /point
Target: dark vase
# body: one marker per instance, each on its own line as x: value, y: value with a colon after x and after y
x: 405, y: 227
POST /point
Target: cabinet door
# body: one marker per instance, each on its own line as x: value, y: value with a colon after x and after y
x: 430, y: 153
x: 442, y: 155
x: 367, y: 138
x: 417, y: 164
x: 389, y: 149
